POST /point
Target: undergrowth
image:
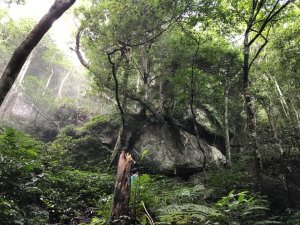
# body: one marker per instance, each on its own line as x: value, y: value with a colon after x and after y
x: 39, y: 186
x: 41, y: 183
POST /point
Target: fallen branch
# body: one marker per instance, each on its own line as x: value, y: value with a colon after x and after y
x: 148, y: 215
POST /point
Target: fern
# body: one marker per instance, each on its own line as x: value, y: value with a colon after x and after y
x: 293, y: 217
x: 185, y: 214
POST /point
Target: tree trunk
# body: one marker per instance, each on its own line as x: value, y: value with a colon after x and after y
x: 22, y: 52
x: 8, y: 105
x: 272, y: 123
x: 24, y: 70
x: 145, y: 73
x: 120, y: 210
x: 283, y: 103
x: 251, y: 122
x: 59, y: 94
x: 297, y: 117
x: 48, y: 81
x: 125, y: 84
x: 226, y: 127
x: 35, y: 118
x: 192, y: 100
x: 117, y: 146
x: 13, y: 94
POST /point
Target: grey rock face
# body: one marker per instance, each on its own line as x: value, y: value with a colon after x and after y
x: 209, y: 127
x: 204, y: 119
x: 173, y: 151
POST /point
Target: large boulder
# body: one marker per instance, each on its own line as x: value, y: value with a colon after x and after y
x: 90, y: 145
x: 209, y: 126
x: 208, y: 122
x: 174, y: 151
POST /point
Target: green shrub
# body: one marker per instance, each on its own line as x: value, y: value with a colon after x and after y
x: 234, y: 209
x: 155, y: 192
x: 10, y: 213
x: 95, y: 122
x: 241, y: 208
x: 167, y: 199
x: 69, y: 193
x: 293, y: 217
x: 20, y: 171
x: 39, y: 185
x: 238, y: 176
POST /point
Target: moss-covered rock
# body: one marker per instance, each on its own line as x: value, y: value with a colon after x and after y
x: 87, y: 146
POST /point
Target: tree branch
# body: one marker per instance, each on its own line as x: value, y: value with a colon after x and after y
x: 175, y: 19
x: 259, y: 50
x: 145, y: 104
x: 77, y: 50
x: 270, y: 17
x: 192, y: 95
x: 113, y: 69
x: 259, y: 6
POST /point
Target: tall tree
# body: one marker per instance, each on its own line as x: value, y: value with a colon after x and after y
x: 117, y: 37
x: 22, y: 52
x: 262, y: 15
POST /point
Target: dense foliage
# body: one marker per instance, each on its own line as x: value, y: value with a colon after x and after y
x: 36, y: 187
x: 41, y: 184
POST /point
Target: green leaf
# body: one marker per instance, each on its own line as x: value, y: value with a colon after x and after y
x: 144, y: 154
x: 231, y: 193
x: 144, y: 220
x: 241, y: 197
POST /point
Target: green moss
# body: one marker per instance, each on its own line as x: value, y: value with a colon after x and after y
x: 95, y: 121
